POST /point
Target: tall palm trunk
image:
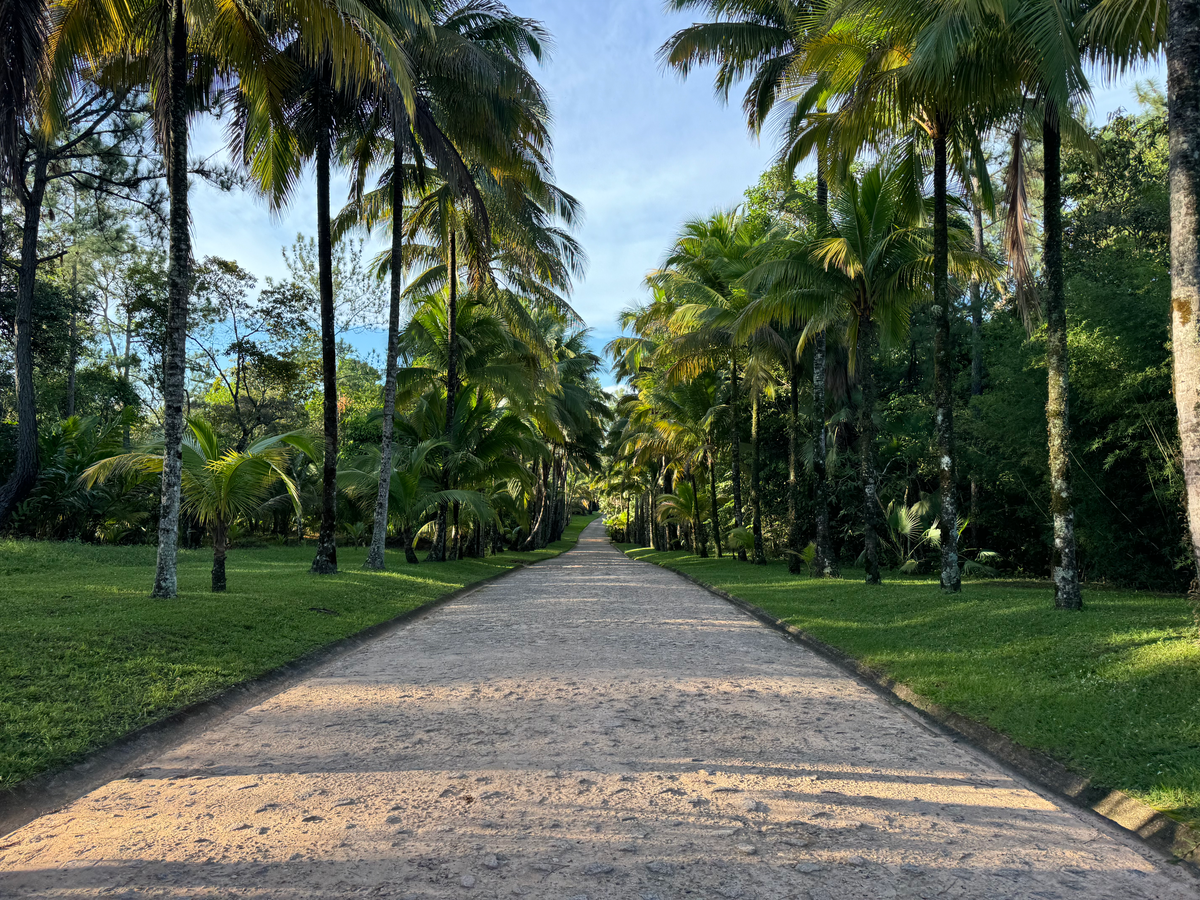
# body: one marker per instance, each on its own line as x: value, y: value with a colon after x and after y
x: 325, y: 562
x: 1183, y: 89
x: 375, y: 559
x: 25, y: 473
x: 795, y: 561
x: 438, y: 552
x: 701, y: 536
x: 178, y: 289
x: 712, y: 499
x: 943, y: 366
x: 735, y: 450
x: 976, y: 353
x: 868, y: 346
x: 1063, y: 567
x: 824, y: 562
x: 220, y: 543
x: 73, y: 352
x: 755, y: 487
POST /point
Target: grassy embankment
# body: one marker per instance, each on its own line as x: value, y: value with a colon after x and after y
x: 1112, y: 692
x: 86, y: 656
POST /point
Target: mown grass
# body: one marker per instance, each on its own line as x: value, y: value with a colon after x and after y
x: 1112, y: 692
x: 86, y: 656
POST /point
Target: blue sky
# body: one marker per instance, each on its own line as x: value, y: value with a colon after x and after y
x: 641, y: 149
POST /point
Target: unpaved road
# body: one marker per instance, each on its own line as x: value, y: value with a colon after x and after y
x: 591, y: 727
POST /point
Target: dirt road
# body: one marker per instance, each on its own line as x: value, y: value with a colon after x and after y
x: 592, y: 728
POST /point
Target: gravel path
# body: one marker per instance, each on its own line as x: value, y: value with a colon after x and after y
x: 593, y: 728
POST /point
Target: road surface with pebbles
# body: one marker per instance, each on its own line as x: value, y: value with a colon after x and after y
x: 591, y: 727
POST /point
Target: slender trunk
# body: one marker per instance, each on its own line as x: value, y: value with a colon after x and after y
x: 220, y: 541
x: 701, y: 536
x: 25, y: 473
x: 712, y: 499
x: 178, y: 290
x: 825, y: 563
x: 735, y: 448
x: 671, y: 529
x: 325, y: 562
x: 1183, y: 90
x: 943, y: 367
x: 976, y: 354
x: 438, y: 551
x: 755, y: 487
x: 868, y: 345
x: 794, y: 558
x: 1063, y: 568
x: 977, y: 308
x: 73, y: 358
x: 375, y: 557
x: 456, y: 549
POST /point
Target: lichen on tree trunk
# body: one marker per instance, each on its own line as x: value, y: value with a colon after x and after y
x: 943, y: 369
x: 1064, y: 568
x: 178, y: 290
x: 1183, y: 99
x: 794, y: 559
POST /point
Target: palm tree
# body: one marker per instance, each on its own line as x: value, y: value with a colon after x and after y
x: 219, y: 484
x: 1121, y: 33
x: 769, y: 41
x: 181, y: 52
x: 700, y: 277
x: 867, y: 266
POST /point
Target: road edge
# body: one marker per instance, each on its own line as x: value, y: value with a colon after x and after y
x: 1157, y: 830
x: 51, y: 791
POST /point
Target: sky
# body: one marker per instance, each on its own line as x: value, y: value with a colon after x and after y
x: 641, y: 149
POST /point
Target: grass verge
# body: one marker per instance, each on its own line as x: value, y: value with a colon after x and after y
x: 1112, y: 692
x: 87, y: 657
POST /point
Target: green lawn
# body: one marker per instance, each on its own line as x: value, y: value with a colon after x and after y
x: 1112, y: 692
x: 86, y: 656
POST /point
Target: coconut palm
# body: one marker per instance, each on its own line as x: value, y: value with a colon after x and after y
x: 867, y: 266
x: 182, y: 51
x: 220, y: 485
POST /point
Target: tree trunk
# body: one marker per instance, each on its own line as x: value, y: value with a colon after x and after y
x: 410, y: 555
x: 794, y: 559
x: 825, y: 561
x: 701, y: 536
x: 375, y: 557
x: 671, y: 530
x: 73, y: 357
x: 24, y: 474
x: 457, y: 548
x: 220, y: 541
x: 976, y: 354
x: 735, y: 447
x: 943, y: 367
x: 760, y: 557
x: 1183, y: 90
x: 712, y: 499
x: 1063, y: 567
x: 868, y: 345
x: 325, y: 562
x: 438, y: 551
x: 178, y: 291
